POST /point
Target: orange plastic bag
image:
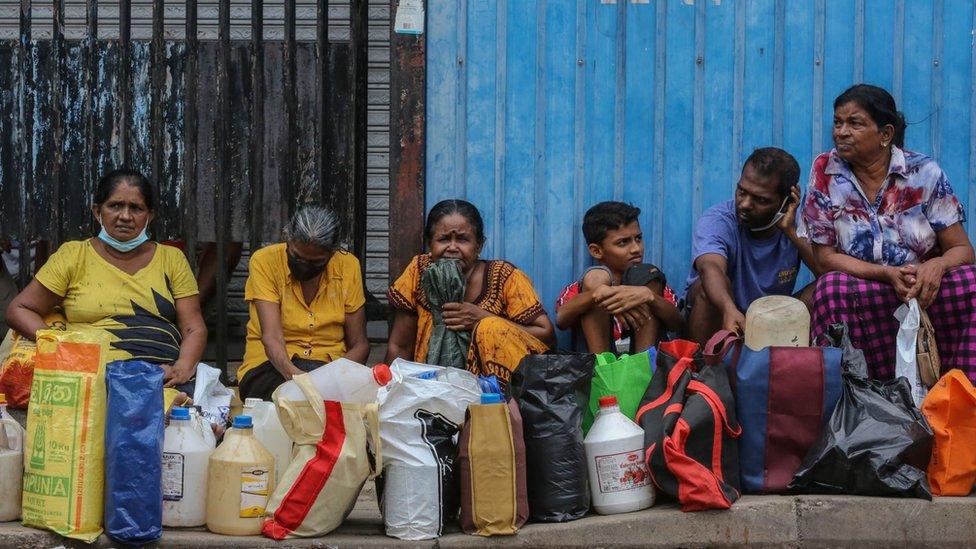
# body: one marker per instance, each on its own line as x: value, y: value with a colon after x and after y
x: 17, y: 372
x: 950, y: 408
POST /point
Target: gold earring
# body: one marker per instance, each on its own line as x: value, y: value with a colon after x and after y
x: 884, y: 145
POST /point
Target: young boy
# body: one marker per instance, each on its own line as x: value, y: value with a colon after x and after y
x: 621, y: 296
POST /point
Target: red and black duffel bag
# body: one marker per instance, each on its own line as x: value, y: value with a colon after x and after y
x: 690, y: 429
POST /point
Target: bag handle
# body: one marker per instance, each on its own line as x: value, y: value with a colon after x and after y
x: 314, y: 397
x: 720, y: 344
x: 605, y: 358
x: 372, y: 413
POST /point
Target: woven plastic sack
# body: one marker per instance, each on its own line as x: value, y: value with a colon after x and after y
x: 134, y: 451
x: 421, y: 411
x: 64, y: 453
x: 338, y: 449
x: 17, y: 371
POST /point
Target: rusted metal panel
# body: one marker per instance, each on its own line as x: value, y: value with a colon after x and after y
x: 256, y: 151
x: 407, y: 150
x: 189, y: 134
x: 223, y: 187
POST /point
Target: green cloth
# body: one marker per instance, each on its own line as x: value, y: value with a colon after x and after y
x: 442, y: 283
x: 625, y: 377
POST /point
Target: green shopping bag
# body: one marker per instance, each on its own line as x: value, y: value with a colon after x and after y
x: 626, y: 377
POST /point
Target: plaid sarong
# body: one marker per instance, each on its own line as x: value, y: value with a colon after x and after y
x: 868, y: 307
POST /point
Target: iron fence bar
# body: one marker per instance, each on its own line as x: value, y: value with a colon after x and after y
x: 26, y: 140
x: 157, y: 73
x: 190, y: 134
x: 58, y: 70
x: 359, y: 17
x: 325, y: 94
x: 91, y: 60
x: 125, y: 77
x: 223, y: 187
x: 287, y: 194
x: 257, y: 124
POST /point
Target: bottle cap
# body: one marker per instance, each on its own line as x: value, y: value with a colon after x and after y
x: 608, y: 401
x: 382, y: 374
x: 242, y: 422
x: 180, y: 413
x: 492, y: 398
x: 252, y: 402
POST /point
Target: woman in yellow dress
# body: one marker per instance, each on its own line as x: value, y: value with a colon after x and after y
x: 141, y: 293
x: 500, y: 310
x: 305, y: 302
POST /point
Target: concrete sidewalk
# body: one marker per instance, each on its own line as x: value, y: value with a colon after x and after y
x: 756, y: 521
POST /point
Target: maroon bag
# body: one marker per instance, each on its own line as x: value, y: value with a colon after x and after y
x: 690, y: 429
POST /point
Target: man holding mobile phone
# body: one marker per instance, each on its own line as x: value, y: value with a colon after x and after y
x: 748, y: 247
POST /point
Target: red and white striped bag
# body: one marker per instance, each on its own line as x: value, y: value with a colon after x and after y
x: 338, y: 449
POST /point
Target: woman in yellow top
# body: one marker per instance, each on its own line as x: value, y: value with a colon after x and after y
x: 501, y: 309
x: 141, y: 293
x: 305, y: 300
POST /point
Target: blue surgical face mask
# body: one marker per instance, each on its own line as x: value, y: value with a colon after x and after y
x: 123, y: 247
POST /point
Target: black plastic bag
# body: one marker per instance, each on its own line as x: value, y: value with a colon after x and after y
x: 550, y: 391
x: 877, y: 443
x: 134, y: 451
x: 852, y: 358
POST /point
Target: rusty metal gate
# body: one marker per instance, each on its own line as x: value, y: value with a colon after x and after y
x: 235, y: 133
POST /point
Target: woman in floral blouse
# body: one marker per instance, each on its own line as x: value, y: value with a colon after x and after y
x: 886, y: 227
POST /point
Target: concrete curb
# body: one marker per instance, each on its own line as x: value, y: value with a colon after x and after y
x: 756, y: 521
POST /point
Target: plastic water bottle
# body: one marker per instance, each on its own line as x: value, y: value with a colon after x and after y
x: 240, y: 478
x: 11, y: 472
x: 619, y: 479
x: 269, y: 432
x: 15, y: 432
x: 186, y: 454
x: 341, y: 380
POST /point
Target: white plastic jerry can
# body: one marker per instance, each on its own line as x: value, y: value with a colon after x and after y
x: 619, y: 479
x: 269, y: 432
x: 240, y: 478
x: 186, y: 454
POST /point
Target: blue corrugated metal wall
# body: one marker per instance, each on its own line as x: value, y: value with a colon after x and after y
x: 538, y: 109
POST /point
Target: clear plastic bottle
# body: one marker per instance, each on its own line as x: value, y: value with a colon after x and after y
x: 15, y: 432
x: 268, y: 430
x: 240, y: 478
x: 186, y: 455
x: 619, y: 479
x: 11, y: 477
x: 342, y: 380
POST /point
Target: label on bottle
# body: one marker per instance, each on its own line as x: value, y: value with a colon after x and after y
x: 621, y: 472
x: 254, y: 491
x: 172, y: 476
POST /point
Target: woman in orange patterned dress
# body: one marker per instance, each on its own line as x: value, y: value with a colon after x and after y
x: 501, y: 309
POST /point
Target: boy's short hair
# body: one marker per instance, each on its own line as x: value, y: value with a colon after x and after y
x: 605, y: 217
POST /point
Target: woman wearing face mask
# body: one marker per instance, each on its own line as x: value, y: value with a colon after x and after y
x: 886, y: 224
x: 141, y: 293
x: 501, y: 309
x: 305, y: 301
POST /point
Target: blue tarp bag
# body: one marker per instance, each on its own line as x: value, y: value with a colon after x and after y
x: 134, y: 451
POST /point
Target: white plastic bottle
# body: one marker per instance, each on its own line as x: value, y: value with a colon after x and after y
x: 11, y: 476
x: 268, y: 431
x: 619, y: 479
x: 186, y: 454
x: 342, y: 380
x: 15, y: 432
x: 240, y: 478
